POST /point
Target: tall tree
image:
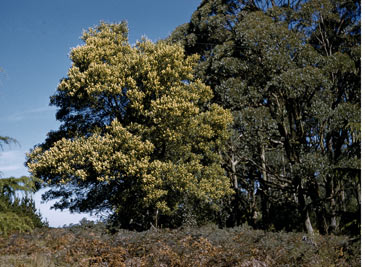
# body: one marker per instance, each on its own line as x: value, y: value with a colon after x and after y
x: 138, y: 137
x: 289, y: 72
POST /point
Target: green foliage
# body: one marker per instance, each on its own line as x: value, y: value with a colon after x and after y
x: 18, y: 213
x: 11, y: 222
x: 139, y: 137
x: 289, y: 71
x: 9, y: 186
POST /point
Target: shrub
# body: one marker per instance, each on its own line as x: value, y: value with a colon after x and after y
x: 206, y: 246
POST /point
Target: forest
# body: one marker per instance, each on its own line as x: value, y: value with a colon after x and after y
x: 245, y: 120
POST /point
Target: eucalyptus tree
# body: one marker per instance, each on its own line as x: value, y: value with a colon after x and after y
x: 289, y: 71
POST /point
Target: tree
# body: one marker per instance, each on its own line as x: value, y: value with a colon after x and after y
x: 138, y: 138
x: 289, y: 72
x: 6, y: 140
x: 18, y: 213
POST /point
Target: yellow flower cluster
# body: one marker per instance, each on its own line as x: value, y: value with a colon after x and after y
x: 169, y: 144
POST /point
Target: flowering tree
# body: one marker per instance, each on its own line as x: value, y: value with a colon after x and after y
x: 138, y: 137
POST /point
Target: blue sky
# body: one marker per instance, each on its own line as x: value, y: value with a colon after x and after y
x: 36, y: 38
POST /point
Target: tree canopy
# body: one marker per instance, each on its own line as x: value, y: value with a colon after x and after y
x: 290, y: 73
x: 250, y: 113
x: 139, y: 137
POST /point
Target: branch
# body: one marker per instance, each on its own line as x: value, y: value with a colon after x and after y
x: 7, y: 141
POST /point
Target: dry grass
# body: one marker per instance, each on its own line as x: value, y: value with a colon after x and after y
x: 91, y: 245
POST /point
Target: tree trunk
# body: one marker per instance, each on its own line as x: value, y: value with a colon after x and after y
x: 234, y: 174
x: 333, y: 219
x: 308, y: 224
x: 333, y: 223
x: 235, y: 213
x: 253, y: 205
x: 303, y: 208
x: 263, y: 163
x: 265, y: 190
x: 156, y: 219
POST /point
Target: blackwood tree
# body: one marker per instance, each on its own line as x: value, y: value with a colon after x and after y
x: 138, y: 139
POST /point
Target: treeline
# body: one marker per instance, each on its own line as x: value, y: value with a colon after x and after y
x: 249, y: 113
x: 289, y: 71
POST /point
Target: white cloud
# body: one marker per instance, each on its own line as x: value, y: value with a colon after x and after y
x: 12, y: 163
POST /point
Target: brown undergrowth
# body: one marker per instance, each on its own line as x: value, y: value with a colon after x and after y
x: 92, y: 245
